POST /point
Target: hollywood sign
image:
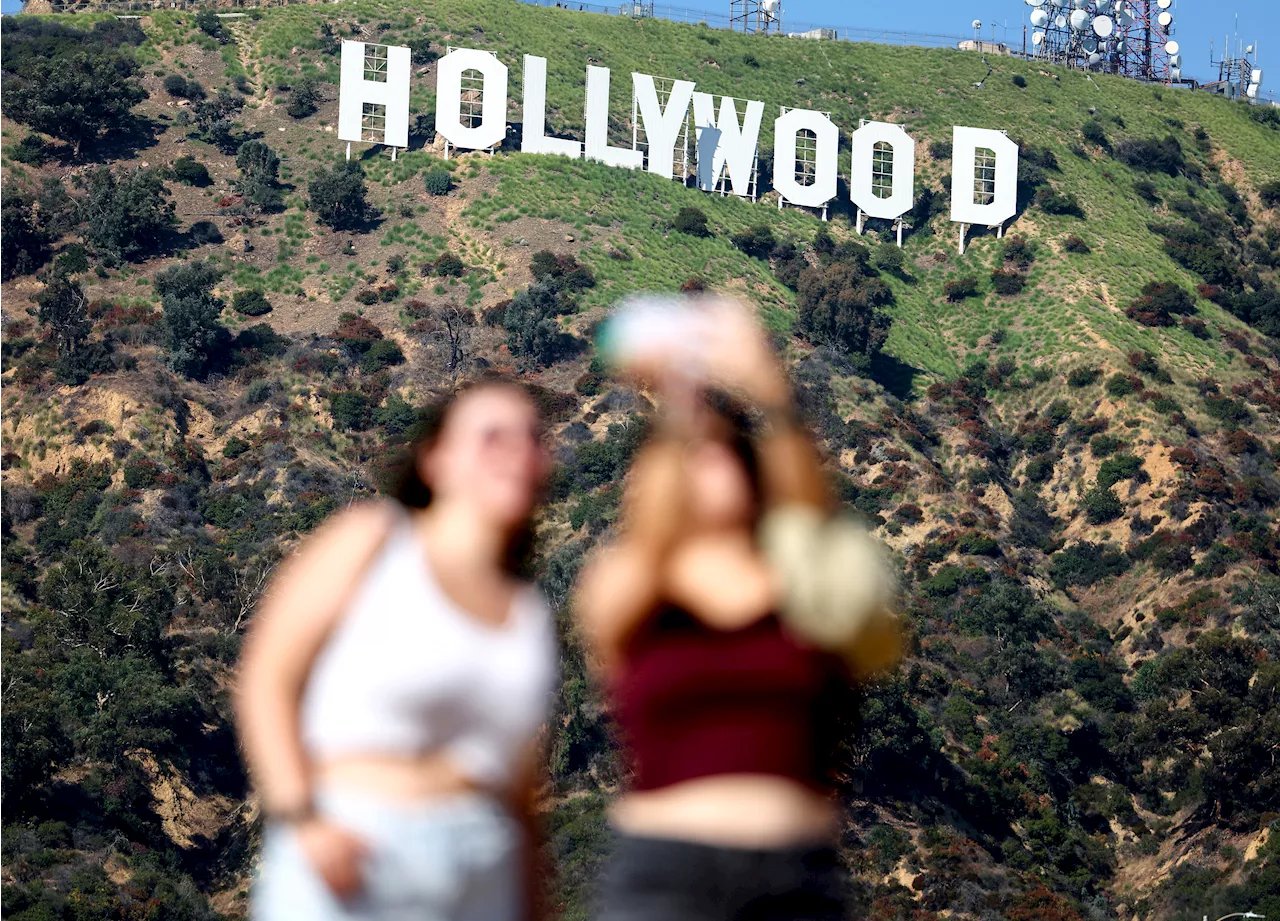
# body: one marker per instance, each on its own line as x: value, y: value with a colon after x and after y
x: 471, y: 114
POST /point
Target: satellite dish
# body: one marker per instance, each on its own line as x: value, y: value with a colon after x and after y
x: 1039, y: 18
x: 1256, y: 75
x: 977, y: 23
x: 1248, y: 49
x: 1060, y: 21
x: 1079, y: 4
x: 1172, y: 47
x: 1165, y: 19
x: 1095, y: 58
x: 1121, y: 45
x: 1090, y: 45
x: 1053, y: 4
x: 1103, y: 26
x: 1252, y: 91
x: 1175, y: 74
x: 1164, y: 4
x: 1175, y: 60
x: 1037, y: 39
x: 770, y: 6
x: 1079, y: 20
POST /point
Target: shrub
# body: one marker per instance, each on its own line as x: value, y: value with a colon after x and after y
x: 448, y: 265
x: 1152, y: 155
x: 235, y: 447
x: 130, y: 213
x: 351, y: 410
x: 203, y: 233
x: 750, y: 60
x: 251, y: 303
x: 958, y: 289
x: 561, y: 271
x: 207, y: 21
x: 1120, y: 385
x: 1086, y: 564
x: 1008, y: 282
x: 367, y: 296
x: 755, y: 241
x: 1147, y: 191
x: 1019, y: 81
x: 1101, y: 505
x: 1019, y: 251
x: 940, y: 150
x: 691, y: 221
x: 840, y: 305
x: 1073, y: 244
x: 24, y: 235
x: 1095, y: 134
x: 304, y: 99
x: 31, y: 150
x: 1196, y: 327
x: 1269, y: 192
x: 191, y: 171
x: 1052, y: 201
x: 1040, y: 468
x: 1104, y: 445
x: 141, y: 473
x: 1117, y: 468
x: 889, y: 257
x: 382, y: 354
x: 338, y: 196
x: 439, y: 181
x: 1159, y: 303
x: 532, y: 327
x: 182, y: 88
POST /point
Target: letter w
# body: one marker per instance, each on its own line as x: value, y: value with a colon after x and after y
x: 724, y: 141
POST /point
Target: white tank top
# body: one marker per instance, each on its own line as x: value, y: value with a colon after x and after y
x: 406, y: 671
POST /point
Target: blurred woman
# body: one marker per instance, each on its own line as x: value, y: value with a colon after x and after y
x: 393, y: 681
x: 725, y: 713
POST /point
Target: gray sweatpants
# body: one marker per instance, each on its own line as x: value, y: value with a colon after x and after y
x: 455, y: 859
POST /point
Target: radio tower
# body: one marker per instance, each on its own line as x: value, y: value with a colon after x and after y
x: 1133, y: 38
x: 755, y: 15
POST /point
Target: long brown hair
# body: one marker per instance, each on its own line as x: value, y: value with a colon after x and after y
x: 406, y: 485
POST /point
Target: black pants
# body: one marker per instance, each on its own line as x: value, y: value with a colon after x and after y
x: 661, y: 879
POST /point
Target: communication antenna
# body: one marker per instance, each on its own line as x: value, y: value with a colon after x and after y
x: 756, y: 15
x: 637, y: 9
x: 1132, y: 38
x: 1239, y: 74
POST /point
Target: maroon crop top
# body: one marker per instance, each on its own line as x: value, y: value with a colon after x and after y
x: 694, y: 701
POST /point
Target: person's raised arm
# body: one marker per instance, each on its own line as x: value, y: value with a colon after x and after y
x: 739, y: 357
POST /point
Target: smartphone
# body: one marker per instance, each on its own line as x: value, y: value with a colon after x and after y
x: 651, y: 325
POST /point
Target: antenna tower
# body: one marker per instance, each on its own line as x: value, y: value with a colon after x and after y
x: 1239, y: 74
x: 1133, y: 38
x: 755, y: 15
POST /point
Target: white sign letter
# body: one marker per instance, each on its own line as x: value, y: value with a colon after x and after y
x: 493, y: 99
x: 900, y: 152
x: 984, y: 190
x: 721, y: 142
x: 825, y: 167
x: 373, y: 94
x: 662, y: 127
x: 597, y: 118
x: 534, y: 136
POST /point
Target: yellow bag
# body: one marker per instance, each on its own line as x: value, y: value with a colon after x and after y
x: 838, y: 588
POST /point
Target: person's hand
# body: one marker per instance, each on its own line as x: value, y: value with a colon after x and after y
x: 737, y: 354
x: 336, y: 853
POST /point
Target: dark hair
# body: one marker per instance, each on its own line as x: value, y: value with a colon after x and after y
x: 740, y: 432
x: 406, y: 485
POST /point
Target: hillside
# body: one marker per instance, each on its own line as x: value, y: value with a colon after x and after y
x: 1068, y: 436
